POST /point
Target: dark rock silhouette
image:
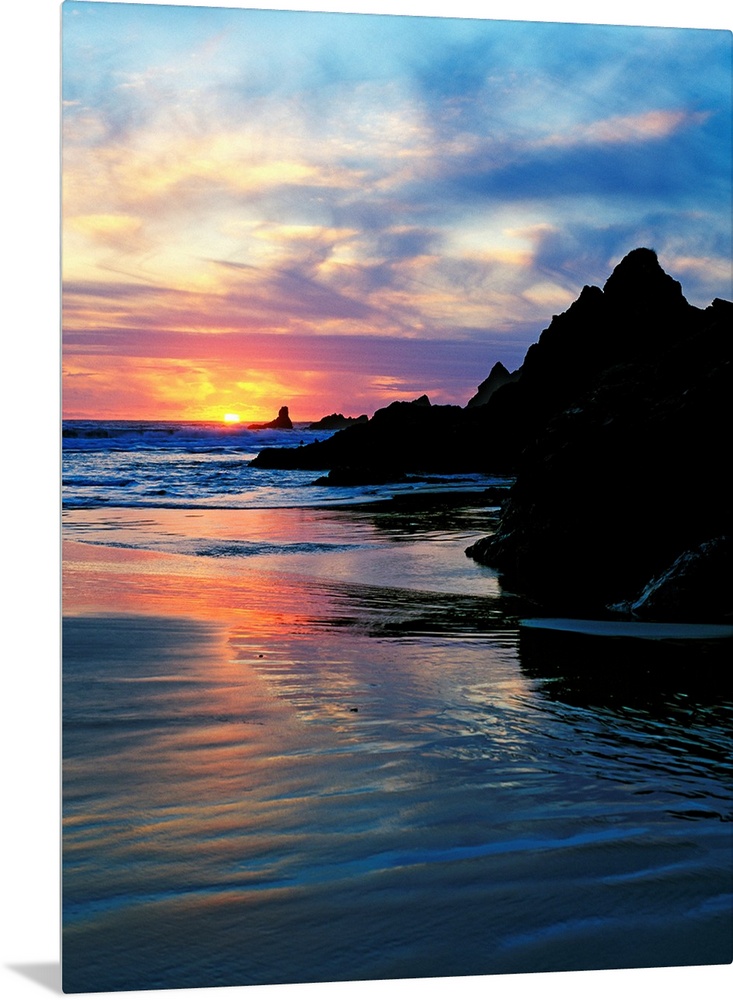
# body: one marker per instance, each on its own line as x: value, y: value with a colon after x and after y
x: 281, y: 422
x: 628, y: 470
x: 498, y: 376
x: 697, y: 586
x: 402, y: 437
x: 640, y: 310
x: 359, y: 476
x: 336, y: 422
x: 617, y: 427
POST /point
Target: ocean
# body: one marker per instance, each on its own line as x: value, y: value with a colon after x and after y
x: 201, y: 464
x: 306, y: 739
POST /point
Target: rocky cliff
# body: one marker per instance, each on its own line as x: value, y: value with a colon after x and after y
x: 625, y: 488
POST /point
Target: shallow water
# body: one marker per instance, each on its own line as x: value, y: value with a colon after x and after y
x: 328, y: 750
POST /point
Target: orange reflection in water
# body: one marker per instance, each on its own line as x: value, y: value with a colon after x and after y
x: 329, y: 627
x: 122, y: 565
x: 101, y: 580
x: 232, y: 726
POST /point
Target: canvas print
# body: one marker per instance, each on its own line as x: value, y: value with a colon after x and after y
x: 396, y: 503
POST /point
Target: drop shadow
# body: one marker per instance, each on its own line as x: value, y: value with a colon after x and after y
x: 46, y: 974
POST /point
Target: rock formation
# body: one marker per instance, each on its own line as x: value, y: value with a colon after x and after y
x: 402, y: 437
x: 498, y: 376
x: 336, y: 422
x: 282, y: 422
x: 697, y: 586
x: 628, y: 471
x: 412, y: 437
x: 617, y: 427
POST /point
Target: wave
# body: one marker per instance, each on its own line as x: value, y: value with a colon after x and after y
x: 215, y: 548
x: 124, y: 464
x: 192, y: 436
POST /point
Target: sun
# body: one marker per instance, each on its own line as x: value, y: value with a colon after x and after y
x: 231, y: 418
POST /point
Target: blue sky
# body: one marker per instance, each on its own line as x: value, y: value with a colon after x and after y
x: 407, y: 187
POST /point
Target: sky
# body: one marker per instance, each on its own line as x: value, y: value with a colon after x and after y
x: 331, y: 211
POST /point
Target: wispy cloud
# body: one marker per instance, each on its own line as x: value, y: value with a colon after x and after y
x: 626, y: 129
x: 255, y: 174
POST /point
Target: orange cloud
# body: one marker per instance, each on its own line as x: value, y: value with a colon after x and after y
x: 106, y: 227
x: 649, y: 125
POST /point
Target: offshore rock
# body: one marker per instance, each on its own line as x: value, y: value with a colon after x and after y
x: 282, y: 422
x: 402, y: 437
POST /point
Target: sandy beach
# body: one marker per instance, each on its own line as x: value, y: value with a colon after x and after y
x: 302, y: 764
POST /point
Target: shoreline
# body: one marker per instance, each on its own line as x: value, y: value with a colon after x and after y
x: 411, y: 497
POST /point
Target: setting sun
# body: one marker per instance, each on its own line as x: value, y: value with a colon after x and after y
x: 231, y: 418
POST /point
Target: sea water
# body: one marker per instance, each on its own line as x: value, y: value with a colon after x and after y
x: 309, y: 740
x: 173, y: 464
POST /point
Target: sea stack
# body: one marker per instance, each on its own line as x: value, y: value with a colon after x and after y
x: 282, y: 422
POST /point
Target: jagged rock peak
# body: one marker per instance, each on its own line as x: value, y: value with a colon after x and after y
x: 498, y: 376
x: 498, y: 371
x: 639, y: 281
x: 336, y: 422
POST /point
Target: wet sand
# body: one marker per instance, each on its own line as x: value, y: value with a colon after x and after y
x: 272, y: 775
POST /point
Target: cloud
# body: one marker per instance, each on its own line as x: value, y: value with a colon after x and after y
x: 110, y: 230
x: 109, y: 289
x: 400, y: 242
x: 628, y: 129
x: 335, y: 178
x: 286, y: 290
x: 320, y: 374
x: 611, y: 159
x: 586, y: 252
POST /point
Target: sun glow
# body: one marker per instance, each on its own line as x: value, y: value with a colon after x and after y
x: 231, y: 418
